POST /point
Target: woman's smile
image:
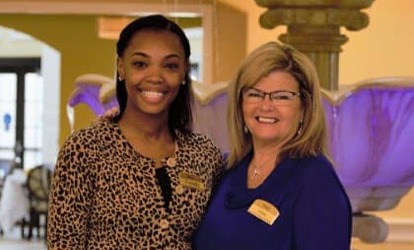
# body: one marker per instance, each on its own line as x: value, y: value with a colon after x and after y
x: 153, y: 96
x: 266, y: 119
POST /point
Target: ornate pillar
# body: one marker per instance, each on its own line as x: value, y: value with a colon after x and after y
x: 313, y: 27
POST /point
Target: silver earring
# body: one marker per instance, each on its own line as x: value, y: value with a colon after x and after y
x: 183, y: 82
x: 245, y: 129
x: 300, y: 128
x: 120, y: 78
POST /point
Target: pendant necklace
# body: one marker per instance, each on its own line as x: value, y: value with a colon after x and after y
x: 256, y: 172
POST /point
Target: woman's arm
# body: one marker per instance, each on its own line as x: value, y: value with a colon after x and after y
x: 322, y: 213
x: 70, y: 198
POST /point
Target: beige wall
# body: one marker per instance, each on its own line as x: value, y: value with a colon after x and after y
x: 384, y: 48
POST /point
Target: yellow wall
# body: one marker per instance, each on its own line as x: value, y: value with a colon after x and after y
x: 74, y: 36
x: 404, y: 210
x: 384, y: 48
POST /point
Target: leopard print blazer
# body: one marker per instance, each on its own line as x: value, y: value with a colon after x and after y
x: 105, y: 195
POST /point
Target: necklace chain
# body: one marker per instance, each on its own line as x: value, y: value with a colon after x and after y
x: 256, y: 171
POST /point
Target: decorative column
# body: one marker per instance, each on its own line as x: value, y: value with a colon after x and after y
x: 313, y: 27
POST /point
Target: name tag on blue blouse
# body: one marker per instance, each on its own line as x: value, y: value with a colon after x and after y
x: 191, y: 181
x: 264, y: 211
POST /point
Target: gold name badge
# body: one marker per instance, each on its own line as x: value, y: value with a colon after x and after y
x: 264, y: 211
x: 191, y: 181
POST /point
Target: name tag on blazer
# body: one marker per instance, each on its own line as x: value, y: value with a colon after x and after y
x: 191, y: 181
x: 264, y: 211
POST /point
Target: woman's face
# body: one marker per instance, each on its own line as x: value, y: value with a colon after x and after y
x: 153, y: 67
x: 272, y: 121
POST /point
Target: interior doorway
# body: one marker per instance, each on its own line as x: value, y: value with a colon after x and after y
x: 21, y: 99
x: 29, y: 106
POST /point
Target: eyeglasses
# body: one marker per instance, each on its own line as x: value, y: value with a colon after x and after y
x: 253, y: 95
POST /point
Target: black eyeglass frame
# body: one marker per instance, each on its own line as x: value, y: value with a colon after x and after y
x: 262, y: 94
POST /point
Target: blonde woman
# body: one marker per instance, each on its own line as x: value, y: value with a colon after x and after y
x: 281, y: 191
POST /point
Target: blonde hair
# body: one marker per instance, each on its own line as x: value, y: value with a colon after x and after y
x: 264, y: 60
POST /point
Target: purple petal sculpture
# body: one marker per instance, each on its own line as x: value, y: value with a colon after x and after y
x: 371, y: 128
x: 371, y: 125
x: 372, y: 133
x: 96, y: 91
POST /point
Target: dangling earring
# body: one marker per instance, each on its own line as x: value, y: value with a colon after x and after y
x: 245, y: 129
x: 300, y: 128
x: 183, y: 82
x: 120, y: 79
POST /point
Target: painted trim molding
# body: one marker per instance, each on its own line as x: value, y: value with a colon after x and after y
x: 400, y: 230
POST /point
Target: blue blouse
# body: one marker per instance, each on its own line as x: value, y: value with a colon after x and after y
x: 314, y: 210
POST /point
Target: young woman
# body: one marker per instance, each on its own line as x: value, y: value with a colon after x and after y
x: 142, y: 179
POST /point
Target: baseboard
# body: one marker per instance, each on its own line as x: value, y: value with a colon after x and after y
x: 400, y: 230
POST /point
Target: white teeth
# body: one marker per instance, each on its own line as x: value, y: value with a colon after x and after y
x: 152, y: 94
x: 266, y: 119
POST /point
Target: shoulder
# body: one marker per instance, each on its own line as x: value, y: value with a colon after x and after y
x: 328, y: 209
x: 317, y: 172
x: 196, y: 137
x: 318, y: 180
x: 89, y: 137
x: 86, y: 147
x: 95, y: 131
x: 198, y: 141
x: 316, y: 166
x: 200, y: 148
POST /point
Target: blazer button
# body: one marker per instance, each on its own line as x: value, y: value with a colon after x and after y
x: 171, y: 162
x: 164, y: 224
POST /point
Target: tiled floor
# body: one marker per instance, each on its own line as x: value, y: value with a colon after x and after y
x: 13, y: 242
x: 21, y: 245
